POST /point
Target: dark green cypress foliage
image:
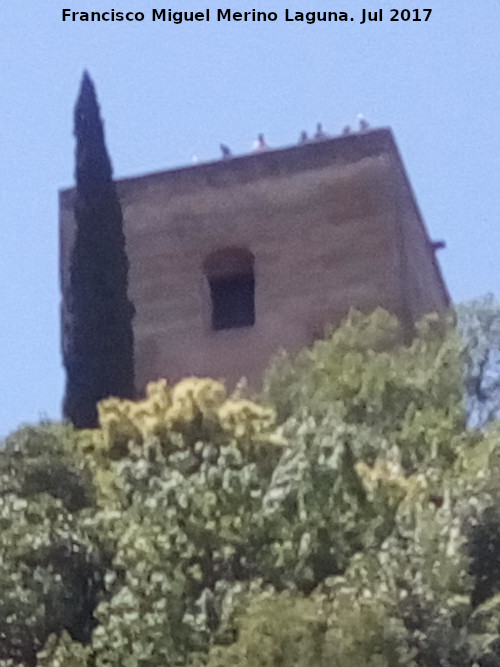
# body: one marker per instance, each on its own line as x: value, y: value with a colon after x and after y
x: 98, y: 353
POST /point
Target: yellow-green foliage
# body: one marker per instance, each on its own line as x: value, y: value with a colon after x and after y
x: 194, y: 408
x: 276, y: 630
x: 194, y: 413
x: 293, y: 631
x: 387, y: 479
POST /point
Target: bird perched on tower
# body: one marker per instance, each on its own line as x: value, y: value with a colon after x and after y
x: 303, y: 139
x: 320, y: 134
x: 363, y: 123
x: 226, y: 152
x: 260, y: 144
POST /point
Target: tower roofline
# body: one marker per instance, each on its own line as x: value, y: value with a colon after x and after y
x: 275, y: 161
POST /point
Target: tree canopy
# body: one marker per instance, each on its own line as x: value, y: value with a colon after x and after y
x: 479, y: 324
x: 98, y: 354
x: 345, y: 516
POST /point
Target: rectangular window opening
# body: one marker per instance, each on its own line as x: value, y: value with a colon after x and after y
x: 233, y: 301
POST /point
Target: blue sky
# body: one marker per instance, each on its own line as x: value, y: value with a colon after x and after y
x: 170, y: 91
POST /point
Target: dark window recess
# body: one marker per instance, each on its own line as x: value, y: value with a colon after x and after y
x: 233, y: 301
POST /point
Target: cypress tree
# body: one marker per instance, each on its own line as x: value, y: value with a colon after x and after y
x: 98, y: 355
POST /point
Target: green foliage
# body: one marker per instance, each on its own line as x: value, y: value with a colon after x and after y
x: 478, y: 472
x: 276, y: 630
x: 190, y: 530
x: 292, y: 631
x: 422, y: 572
x: 409, y: 396
x: 41, y: 460
x: 62, y: 651
x: 51, y: 574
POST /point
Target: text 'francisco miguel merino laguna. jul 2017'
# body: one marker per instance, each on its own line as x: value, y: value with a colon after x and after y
x: 250, y: 16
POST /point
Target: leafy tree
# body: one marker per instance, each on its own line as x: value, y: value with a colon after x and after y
x: 193, y: 528
x: 479, y: 325
x: 99, y: 348
x: 51, y: 574
x: 407, y: 397
x: 41, y: 459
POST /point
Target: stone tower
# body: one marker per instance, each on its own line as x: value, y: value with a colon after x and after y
x: 232, y: 260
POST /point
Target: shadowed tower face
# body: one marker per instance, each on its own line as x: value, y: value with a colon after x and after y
x: 232, y: 260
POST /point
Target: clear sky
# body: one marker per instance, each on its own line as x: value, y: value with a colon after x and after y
x: 170, y: 91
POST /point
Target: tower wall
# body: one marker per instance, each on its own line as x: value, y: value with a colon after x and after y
x: 331, y: 225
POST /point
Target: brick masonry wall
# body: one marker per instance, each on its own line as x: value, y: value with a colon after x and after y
x: 327, y: 225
